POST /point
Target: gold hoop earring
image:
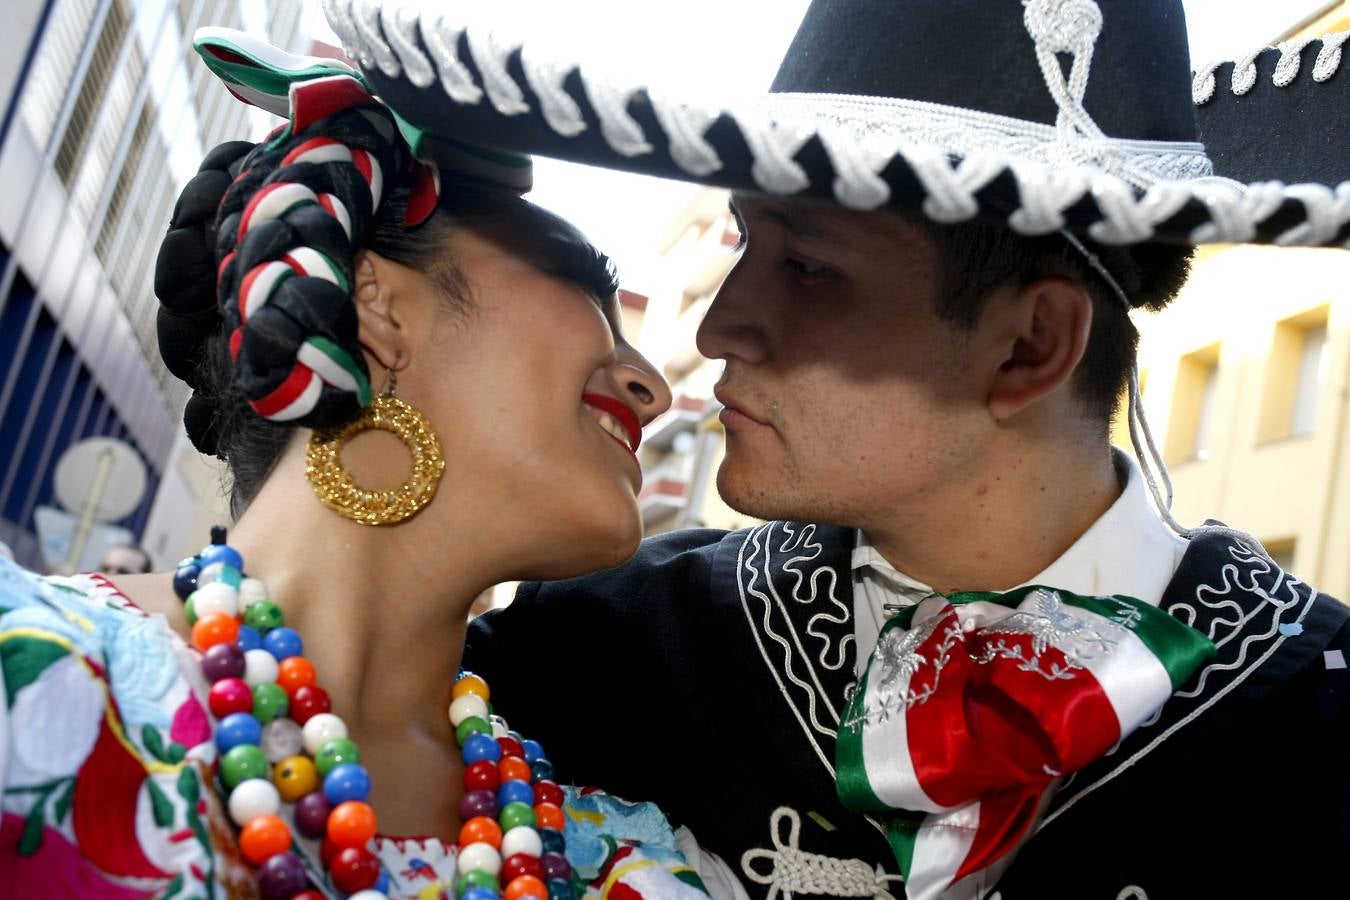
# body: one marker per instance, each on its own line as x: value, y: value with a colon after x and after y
x: 337, y: 489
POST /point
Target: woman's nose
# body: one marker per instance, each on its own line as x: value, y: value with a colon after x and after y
x: 639, y: 384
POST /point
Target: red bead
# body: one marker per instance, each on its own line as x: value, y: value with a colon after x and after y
x: 548, y: 815
x: 525, y: 886
x: 230, y: 695
x: 521, y: 864
x: 514, y: 768
x: 309, y: 701
x: 309, y: 894
x: 511, y: 747
x: 548, y: 792
x: 328, y: 850
x: 354, y: 869
x: 482, y: 776
x: 295, y: 672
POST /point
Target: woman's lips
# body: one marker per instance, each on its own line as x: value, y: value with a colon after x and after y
x: 617, y: 419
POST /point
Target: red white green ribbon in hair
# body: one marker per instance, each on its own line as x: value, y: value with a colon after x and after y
x: 973, y: 705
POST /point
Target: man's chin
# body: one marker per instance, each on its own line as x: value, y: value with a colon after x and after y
x: 751, y: 494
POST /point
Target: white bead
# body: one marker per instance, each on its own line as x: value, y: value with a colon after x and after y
x: 522, y: 839
x: 320, y: 729
x: 215, y: 597
x: 252, y: 798
x: 368, y: 894
x: 499, y: 727
x: 260, y: 667
x: 465, y: 706
x: 209, y: 574
x: 479, y: 856
x: 281, y: 738
x: 251, y: 590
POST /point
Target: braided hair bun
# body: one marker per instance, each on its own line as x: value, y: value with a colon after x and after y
x: 259, y: 262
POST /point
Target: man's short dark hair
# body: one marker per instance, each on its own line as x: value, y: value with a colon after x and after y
x: 975, y: 259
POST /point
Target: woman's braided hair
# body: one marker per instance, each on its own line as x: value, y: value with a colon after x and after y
x: 255, y: 275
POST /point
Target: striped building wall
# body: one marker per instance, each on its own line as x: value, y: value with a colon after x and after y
x: 106, y: 113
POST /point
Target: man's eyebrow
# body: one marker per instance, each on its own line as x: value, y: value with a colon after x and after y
x: 800, y: 225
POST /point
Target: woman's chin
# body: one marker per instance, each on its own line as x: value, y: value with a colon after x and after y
x: 588, y: 543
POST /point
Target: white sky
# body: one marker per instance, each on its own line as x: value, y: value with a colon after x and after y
x: 718, y: 48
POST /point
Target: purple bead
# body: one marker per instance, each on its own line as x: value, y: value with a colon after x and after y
x: 478, y: 803
x: 556, y: 866
x: 282, y: 877
x: 223, y: 661
x: 311, y: 814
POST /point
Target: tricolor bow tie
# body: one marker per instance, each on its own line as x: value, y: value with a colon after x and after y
x: 972, y: 705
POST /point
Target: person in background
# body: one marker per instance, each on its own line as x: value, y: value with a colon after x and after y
x: 126, y: 559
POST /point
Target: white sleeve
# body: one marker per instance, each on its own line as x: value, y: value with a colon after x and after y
x: 719, y: 878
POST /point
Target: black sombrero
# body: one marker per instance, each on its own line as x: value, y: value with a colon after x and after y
x: 1047, y: 115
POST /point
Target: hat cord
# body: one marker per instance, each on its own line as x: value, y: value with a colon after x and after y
x: 1141, y: 436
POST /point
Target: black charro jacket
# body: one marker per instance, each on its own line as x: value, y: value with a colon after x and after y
x: 709, y: 673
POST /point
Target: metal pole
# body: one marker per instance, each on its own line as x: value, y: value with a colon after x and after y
x: 91, y: 502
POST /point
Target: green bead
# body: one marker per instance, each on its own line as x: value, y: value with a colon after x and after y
x: 269, y: 701
x: 334, y: 752
x: 478, y: 878
x: 514, y: 815
x: 264, y: 616
x: 471, y: 725
x: 190, y: 610
x: 241, y: 763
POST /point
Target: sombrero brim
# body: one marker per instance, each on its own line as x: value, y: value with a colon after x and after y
x: 467, y: 85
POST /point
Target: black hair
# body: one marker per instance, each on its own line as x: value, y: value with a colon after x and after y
x: 975, y: 259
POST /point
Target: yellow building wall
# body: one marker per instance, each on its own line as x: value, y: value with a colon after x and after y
x: 1246, y: 308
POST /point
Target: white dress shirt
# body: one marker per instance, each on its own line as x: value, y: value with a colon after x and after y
x: 1128, y: 551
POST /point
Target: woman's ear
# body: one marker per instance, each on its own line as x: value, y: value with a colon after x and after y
x: 375, y: 295
x: 1049, y: 323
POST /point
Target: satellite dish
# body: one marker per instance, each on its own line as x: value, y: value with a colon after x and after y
x: 102, y: 477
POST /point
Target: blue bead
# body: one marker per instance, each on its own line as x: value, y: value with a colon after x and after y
x: 283, y: 643
x: 552, y: 840
x: 237, y: 728
x: 541, y: 770
x: 479, y: 893
x: 346, y: 781
x: 515, y: 792
x: 560, y: 889
x: 480, y: 746
x: 249, y: 638
x: 533, y: 750
x: 185, y: 578
x: 221, y: 553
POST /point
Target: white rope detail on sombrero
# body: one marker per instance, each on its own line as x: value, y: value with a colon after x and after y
x: 1245, y: 75
x: 366, y: 15
x: 400, y: 28
x: 442, y: 39
x: 793, y: 871
x: 546, y: 80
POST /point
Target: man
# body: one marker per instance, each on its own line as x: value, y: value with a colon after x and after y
x: 125, y: 559
x: 964, y: 653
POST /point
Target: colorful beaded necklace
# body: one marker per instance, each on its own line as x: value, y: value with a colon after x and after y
x: 279, y: 742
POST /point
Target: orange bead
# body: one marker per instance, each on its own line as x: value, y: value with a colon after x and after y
x: 470, y: 684
x: 263, y: 838
x: 294, y: 673
x: 351, y: 824
x: 513, y: 768
x: 214, y: 628
x: 481, y: 830
x: 549, y: 815
x: 525, y: 886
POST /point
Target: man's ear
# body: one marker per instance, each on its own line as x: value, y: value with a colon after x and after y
x: 375, y: 296
x: 1045, y: 337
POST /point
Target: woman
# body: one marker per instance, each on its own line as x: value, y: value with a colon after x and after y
x: 312, y: 284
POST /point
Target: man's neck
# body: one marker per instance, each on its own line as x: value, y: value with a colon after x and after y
x: 1000, y: 527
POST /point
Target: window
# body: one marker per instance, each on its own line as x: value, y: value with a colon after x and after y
x: 1120, y: 422
x: 1191, y: 433
x: 1282, y: 552
x: 1294, y: 378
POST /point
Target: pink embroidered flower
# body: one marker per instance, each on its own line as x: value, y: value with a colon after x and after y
x: 190, y: 725
x: 57, y: 869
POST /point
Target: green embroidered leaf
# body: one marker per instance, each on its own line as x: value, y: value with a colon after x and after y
x: 176, y: 752
x: 23, y: 659
x: 195, y: 823
x: 691, y: 878
x: 160, y: 804
x: 154, y: 743
x: 174, y: 887
x: 188, y: 788
x: 63, y: 802
x: 32, y: 830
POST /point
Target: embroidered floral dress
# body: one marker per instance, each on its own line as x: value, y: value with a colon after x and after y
x: 106, y: 754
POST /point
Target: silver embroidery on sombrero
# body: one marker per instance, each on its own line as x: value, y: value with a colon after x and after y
x: 1328, y: 62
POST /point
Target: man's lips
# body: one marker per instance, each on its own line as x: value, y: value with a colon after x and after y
x: 622, y: 414
x: 736, y: 407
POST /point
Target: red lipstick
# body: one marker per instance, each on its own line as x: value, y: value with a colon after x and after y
x: 621, y: 413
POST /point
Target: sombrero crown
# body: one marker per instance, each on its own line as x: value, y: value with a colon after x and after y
x: 1046, y: 115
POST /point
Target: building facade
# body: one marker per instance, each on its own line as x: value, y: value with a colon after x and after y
x: 107, y: 113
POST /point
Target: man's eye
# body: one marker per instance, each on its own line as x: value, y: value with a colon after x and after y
x: 803, y: 267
